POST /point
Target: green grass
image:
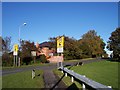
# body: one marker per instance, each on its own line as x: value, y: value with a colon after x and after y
x: 0, y: 82
x: 104, y: 72
x: 23, y: 80
x: 66, y: 80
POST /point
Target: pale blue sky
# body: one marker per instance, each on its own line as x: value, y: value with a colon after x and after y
x: 46, y: 20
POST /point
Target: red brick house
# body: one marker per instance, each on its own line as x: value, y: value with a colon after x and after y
x: 44, y: 48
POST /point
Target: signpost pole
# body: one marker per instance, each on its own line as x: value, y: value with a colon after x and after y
x: 15, y: 53
x: 14, y: 60
x: 60, y: 45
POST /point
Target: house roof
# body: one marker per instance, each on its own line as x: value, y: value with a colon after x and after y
x: 45, y: 44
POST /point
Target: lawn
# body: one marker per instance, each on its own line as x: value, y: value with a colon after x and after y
x: 104, y: 72
x: 23, y: 80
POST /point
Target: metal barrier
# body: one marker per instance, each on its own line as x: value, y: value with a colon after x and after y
x: 84, y: 80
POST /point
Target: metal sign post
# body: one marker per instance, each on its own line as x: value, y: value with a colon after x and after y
x: 15, y: 53
x: 60, y: 45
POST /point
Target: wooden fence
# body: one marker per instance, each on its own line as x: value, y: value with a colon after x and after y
x: 84, y: 80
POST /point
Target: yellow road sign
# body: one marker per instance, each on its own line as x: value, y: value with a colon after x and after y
x: 15, y: 48
x: 60, y: 42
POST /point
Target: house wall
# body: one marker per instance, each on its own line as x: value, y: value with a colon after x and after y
x: 46, y: 51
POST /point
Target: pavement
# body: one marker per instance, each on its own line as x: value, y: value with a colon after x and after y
x: 52, y: 81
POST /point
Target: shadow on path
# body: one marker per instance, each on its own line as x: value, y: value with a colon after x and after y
x: 58, y: 84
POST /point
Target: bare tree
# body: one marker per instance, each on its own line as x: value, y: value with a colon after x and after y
x: 6, y: 44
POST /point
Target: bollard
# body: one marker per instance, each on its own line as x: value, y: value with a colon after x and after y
x: 72, y: 78
x: 33, y: 73
x: 65, y: 74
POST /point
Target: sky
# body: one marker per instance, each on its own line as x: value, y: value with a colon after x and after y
x: 51, y: 19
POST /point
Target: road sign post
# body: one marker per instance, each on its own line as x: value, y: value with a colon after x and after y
x: 60, y: 46
x: 15, y: 53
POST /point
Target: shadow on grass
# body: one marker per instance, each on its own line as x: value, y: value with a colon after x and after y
x: 72, y: 86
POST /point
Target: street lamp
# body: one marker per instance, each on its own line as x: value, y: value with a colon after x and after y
x: 24, y: 24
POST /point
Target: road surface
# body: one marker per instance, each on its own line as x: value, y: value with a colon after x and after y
x: 46, y: 67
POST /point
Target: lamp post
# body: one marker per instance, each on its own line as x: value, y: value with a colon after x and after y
x: 20, y: 29
x: 24, y: 24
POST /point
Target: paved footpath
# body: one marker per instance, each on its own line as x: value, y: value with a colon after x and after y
x: 52, y: 81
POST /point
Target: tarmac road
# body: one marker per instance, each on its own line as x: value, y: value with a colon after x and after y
x: 16, y: 70
x: 46, y: 67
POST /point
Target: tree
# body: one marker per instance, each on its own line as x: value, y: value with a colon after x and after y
x: 91, y: 44
x: 7, y: 58
x: 71, y: 49
x: 6, y: 45
x: 1, y: 40
x: 26, y: 48
x: 114, y: 43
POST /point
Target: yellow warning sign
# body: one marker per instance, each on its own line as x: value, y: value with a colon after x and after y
x: 15, y: 48
x: 60, y: 44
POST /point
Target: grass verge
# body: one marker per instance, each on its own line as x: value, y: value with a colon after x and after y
x: 23, y: 80
x: 66, y: 80
x: 104, y: 72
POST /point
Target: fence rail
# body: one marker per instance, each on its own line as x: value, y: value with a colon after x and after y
x: 85, y: 80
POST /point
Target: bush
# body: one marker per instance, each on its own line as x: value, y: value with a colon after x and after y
x: 7, y: 59
x: 43, y: 59
x: 27, y: 60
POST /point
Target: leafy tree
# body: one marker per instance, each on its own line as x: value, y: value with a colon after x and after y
x: 114, y: 43
x: 91, y: 44
x: 71, y: 49
x: 26, y: 48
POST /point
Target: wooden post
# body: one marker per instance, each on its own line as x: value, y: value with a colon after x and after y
x: 33, y: 73
x: 72, y: 79
x: 109, y: 86
x: 14, y: 60
x: 19, y: 62
x: 65, y: 74
x: 83, y: 85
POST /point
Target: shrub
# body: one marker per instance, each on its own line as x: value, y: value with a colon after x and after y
x: 43, y: 59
